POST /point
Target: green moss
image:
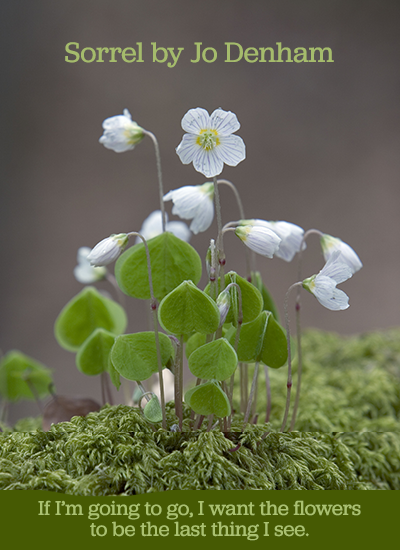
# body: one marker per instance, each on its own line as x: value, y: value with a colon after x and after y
x: 348, y: 436
x: 348, y: 384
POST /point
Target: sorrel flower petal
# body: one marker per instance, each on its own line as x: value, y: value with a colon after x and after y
x: 84, y: 272
x: 152, y: 227
x: 291, y: 236
x: 261, y: 239
x: 323, y: 285
x: 121, y: 133
x: 209, y: 143
x: 194, y: 202
x: 331, y: 244
x: 108, y: 250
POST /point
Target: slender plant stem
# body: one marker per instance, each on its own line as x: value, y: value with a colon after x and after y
x: 159, y: 174
x: 298, y: 325
x: 145, y: 393
x: 252, y: 392
x: 239, y: 326
x: 237, y: 196
x: 242, y: 217
x: 244, y: 383
x: 220, y: 249
x: 255, y: 396
x: 108, y: 388
x: 299, y: 363
x: 3, y: 410
x: 289, y: 379
x: 199, y: 422
x: 213, y: 271
x: 105, y: 381
x: 178, y: 372
x: 268, y: 388
x: 217, y: 205
x: 103, y: 389
x: 153, y: 306
x: 210, y: 419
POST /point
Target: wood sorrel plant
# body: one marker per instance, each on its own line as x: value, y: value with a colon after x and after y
x: 233, y: 322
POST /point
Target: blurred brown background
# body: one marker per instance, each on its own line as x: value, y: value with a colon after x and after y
x: 322, y: 147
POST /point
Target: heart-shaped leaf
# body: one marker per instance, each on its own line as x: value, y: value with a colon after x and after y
x: 86, y: 312
x: 188, y: 309
x: 134, y: 356
x: 22, y: 377
x: 152, y: 410
x: 268, y: 302
x: 93, y: 356
x: 252, y: 302
x: 172, y: 261
x: 208, y: 399
x: 262, y: 340
x: 216, y: 360
x: 195, y: 341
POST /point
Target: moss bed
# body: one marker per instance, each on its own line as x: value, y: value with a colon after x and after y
x: 347, y: 438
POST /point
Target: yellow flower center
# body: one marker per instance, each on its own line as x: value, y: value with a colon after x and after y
x: 208, y: 139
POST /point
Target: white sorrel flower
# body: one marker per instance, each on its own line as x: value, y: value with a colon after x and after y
x: 209, y: 143
x: 84, y: 272
x: 152, y: 227
x: 121, y: 133
x: 261, y: 239
x: 323, y: 285
x: 194, y: 202
x: 331, y: 244
x: 108, y: 250
x: 291, y: 236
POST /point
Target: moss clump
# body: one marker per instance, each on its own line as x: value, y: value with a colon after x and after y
x: 116, y: 452
x: 348, y: 438
x: 348, y: 384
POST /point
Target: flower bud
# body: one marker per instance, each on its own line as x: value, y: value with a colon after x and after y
x: 108, y: 250
x: 121, y: 133
x: 261, y: 239
x: 223, y: 303
x: 210, y: 261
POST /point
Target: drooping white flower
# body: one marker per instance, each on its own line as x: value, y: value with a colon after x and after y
x: 108, y: 250
x: 84, y: 272
x: 209, y: 142
x: 331, y: 244
x: 121, y: 133
x: 291, y: 236
x: 152, y: 227
x: 194, y: 202
x: 323, y: 285
x: 261, y: 239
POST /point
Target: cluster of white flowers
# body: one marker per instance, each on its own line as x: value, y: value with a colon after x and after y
x: 209, y: 143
